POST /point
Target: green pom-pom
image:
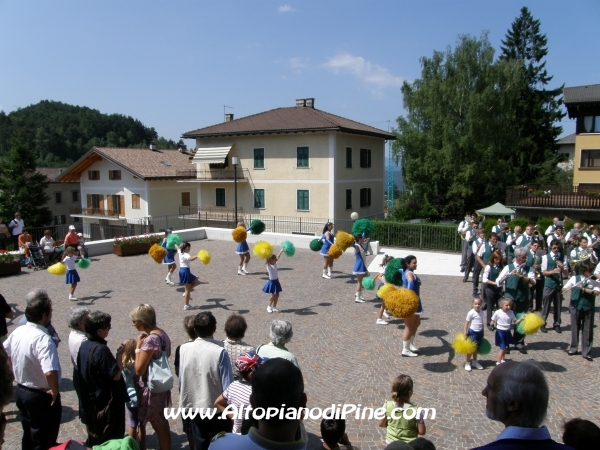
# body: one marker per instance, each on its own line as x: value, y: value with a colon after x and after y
x: 316, y: 245
x: 368, y: 283
x: 288, y: 248
x: 173, y: 240
x: 363, y: 226
x: 84, y: 263
x: 484, y: 348
x: 392, y: 272
x: 257, y: 226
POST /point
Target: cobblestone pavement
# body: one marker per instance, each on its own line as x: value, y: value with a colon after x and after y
x: 345, y: 357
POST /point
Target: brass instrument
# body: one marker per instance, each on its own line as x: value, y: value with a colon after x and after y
x: 584, y: 255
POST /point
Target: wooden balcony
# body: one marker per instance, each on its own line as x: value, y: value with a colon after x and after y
x: 213, y: 174
x: 539, y: 196
x: 94, y: 212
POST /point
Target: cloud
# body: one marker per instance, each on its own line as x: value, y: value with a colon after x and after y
x: 375, y: 76
x: 286, y: 9
x: 298, y: 63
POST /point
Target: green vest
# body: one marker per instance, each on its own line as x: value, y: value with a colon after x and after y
x: 516, y: 288
x: 494, y: 273
x: 579, y: 300
x: 553, y: 281
x: 488, y: 252
x: 530, y: 259
x: 510, y: 251
x: 524, y: 241
x: 561, y: 247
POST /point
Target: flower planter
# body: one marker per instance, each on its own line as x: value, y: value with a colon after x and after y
x: 128, y: 250
x: 10, y: 268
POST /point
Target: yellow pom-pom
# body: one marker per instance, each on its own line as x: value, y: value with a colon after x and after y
x: 344, y: 240
x: 57, y: 269
x: 463, y: 345
x: 531, y: 323
x: 335, y: 251
x: 204, y: 256
x: 239, y: 234
x: 384, y: 289
x: 263, y: 249
x: 401, y: 302
x: 157, y: 253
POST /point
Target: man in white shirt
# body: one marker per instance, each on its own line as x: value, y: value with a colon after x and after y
x: 36, y: 367
x: 511, y: 240
x: 574, y: 255
x: 553, y: 268
x: 527, y: 238
x: 462, y: 228
x: 16, y: 228
x: 470, y: 237
x: 552, y: 228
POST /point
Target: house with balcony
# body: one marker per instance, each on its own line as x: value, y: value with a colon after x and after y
x: 580, y: 201
x: 295, y: 161
x: 63, y: 196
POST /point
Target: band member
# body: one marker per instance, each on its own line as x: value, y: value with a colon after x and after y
x: 526, y: 239
x: 463, y: 227
x: 552, y: 228
x: 533, y: 260
x: 517, y: 278
x: 500, y: 230
x: 553, y: 268
x: 574, y: 255
x: 482, y: 257
x: 470, y: 237
x: 478, y: 265
x: 594, y: 241
x: 491, y: 290
x: 511, y: 240
x: 574, y: 231
x: 558, y: 235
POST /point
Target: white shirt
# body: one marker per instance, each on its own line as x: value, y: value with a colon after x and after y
x: 505, y: 274
x: 511, y: 237
x: 19, y: 226
x: 184, y: 260
x: 572, y: 282
x: 272, y: 269
x: 476, y: 246
x: 47, y: 244
x: 476, y: 319
x: 593, y: 258
x: 69, y: 261
x: 76, y: 337
x: 554, y: 256
x: 525, y: 236
x: 463, y: 226
x: 551, y: 238
x: 33, y: 354
x: 504, y: 320
x: 486, y: 273
x: 550, y: 230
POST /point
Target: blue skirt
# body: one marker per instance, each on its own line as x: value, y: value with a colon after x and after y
x: 72, y: 277
x: 359, y: 267
x: 185, y: 276
x: 272, y: 287
x: 242, y: 248
x: 170, y: 258
x: 476, y: 336
x: 325, y: 248
x: 504, y: 339
x: 420, y: 308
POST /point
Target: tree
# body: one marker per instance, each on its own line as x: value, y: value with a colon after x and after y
x: 22, y: 189
x: 538, y: 109
x: 454, y: 137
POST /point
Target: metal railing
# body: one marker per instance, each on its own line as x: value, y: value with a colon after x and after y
x: 94, y: 212
x: 216, y: 213
x: 212, y: 174
x: 417, y: 236
x: 553, y: 196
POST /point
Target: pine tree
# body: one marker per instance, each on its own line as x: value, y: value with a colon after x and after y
x: 23, y: 189
x: 538, y: 110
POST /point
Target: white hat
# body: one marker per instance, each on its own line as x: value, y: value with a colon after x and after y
x: 79, y: 234
x: 71, y: 227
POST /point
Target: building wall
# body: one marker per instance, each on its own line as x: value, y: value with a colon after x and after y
x: 61, y: 210
x: 586, y: 141
x: 165, y: 196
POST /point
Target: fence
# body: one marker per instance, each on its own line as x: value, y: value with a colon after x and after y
x: 417, y: 236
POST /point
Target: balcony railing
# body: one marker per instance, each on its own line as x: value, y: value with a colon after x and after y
x: 212, y: 174
x: 209, y: 213
x: 553, y: 196
x: 93, y: 212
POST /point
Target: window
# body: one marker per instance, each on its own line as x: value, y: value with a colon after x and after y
x: 116, y: 204
x: 259, y: 198
x: 259, y: 158
x: 135, y: 201
x: 94, y: 201
x: 185, y: 199
x: 365, y: 158
x: 75, y: 196
x: 590, y: 158
x: 222, y: 165
x: 365, y: 197
x: 589, y: 124
x: 114, y: 174
x: 76, y: 219
x: 349, y: 157
x: 302, y: 157
x: 220, y: 197
x: 60, y: 220
x: 58, y: 197
x: 348, y: 198
x: 302, y: 200
x: 93, y: 175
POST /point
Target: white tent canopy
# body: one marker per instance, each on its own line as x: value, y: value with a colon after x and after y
x: 497, y: 209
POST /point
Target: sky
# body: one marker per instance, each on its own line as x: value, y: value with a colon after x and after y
x: 179, y: 65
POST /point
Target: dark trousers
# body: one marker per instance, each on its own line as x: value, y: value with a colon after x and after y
x: 469, y: 265
x: 203, y: 430
x: 519, y: 307
x: 39, y: 420
x: 476, y: 273
x: 3, y: 242
x: 552, y: 297
x: 536, y: 294
x: 463, y: 258
x: 582, y: 321
x: 15, y: 240
x: 491, y: 299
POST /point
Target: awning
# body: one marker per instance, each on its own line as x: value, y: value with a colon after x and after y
x: 211, y: 154
x: 497, y: 209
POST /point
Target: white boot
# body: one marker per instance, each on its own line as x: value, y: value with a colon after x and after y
x: 244, y: 269
x: 360, y: 295
x: 405, y: 349
x: 327, y: 277
x: 329, y: 272
x: 411, y: 346
x: 168, y: 279
x: 357, y: 298
x: 240, y: 272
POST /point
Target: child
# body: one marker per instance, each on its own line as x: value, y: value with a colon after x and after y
x: 401, y: 428
x: 83, y: 251
x: 188, y: 326
x: 381, y: 276
x: 169, y: 260
x: 136, y: 430
x: 72, y: 276
x: 474, y: 330
x: 360, y: 269
x: 189, y: 280
x: 273, y: 286
x: 244, y: 251
x: 328, y: 240
x: 238, y: 393
x: 333, y: 434
x: 503, y: 318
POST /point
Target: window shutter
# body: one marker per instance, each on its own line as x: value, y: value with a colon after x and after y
x: 369, y: 162
x: 109, y: 203
x: 121, y: 205
x: 101, y: 202
x: 89, y: 203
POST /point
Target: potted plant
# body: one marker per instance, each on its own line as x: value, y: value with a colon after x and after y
x: 135, y: 245
x: 10, y: 264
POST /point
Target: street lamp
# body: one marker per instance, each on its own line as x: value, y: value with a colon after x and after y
x: 354, y: 216
x: 235, y: 161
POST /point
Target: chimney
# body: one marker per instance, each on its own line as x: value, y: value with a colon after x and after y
x: 228, y: 117
x: 153, y: 146
x: 300, y: 102
x: 310, y: 103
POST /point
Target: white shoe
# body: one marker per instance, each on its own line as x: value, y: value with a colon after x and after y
x: 327, y: 277
x: 170, y: 283
x: 241, y: 273
x: 381, y: 322
x: 408, y: 353
x: 72, y: 297
x: 476, y: 364
x: 468, y: 366
x: 357, y: 299
x: 360, y: 296
x: 413, y: 348
x: 245, y: 271
x: 386, y: 314
x: 269, y: 309
x: 274, y: 309
x: 187, y: 307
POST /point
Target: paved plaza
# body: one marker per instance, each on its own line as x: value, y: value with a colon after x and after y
x: 344, y: 356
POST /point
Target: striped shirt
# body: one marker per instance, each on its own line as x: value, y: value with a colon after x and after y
x: 238, y: 394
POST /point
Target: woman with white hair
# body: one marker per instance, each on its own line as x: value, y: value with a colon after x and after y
x: 76, y: 322
x: 280, y: 333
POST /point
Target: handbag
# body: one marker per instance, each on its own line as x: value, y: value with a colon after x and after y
x: 160, y: 377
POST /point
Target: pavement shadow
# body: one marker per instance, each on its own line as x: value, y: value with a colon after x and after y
x: 306, y: 311
x: 439, y: 367
x: 444, y: 348
x: 90, y: 299
x: 547, y: 345
x: 551, y: 367
x: 68, y: 414
x: 218, y: 304
x: 66, y: 385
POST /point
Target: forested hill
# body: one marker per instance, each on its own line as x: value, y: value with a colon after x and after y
x: 58, y: 134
